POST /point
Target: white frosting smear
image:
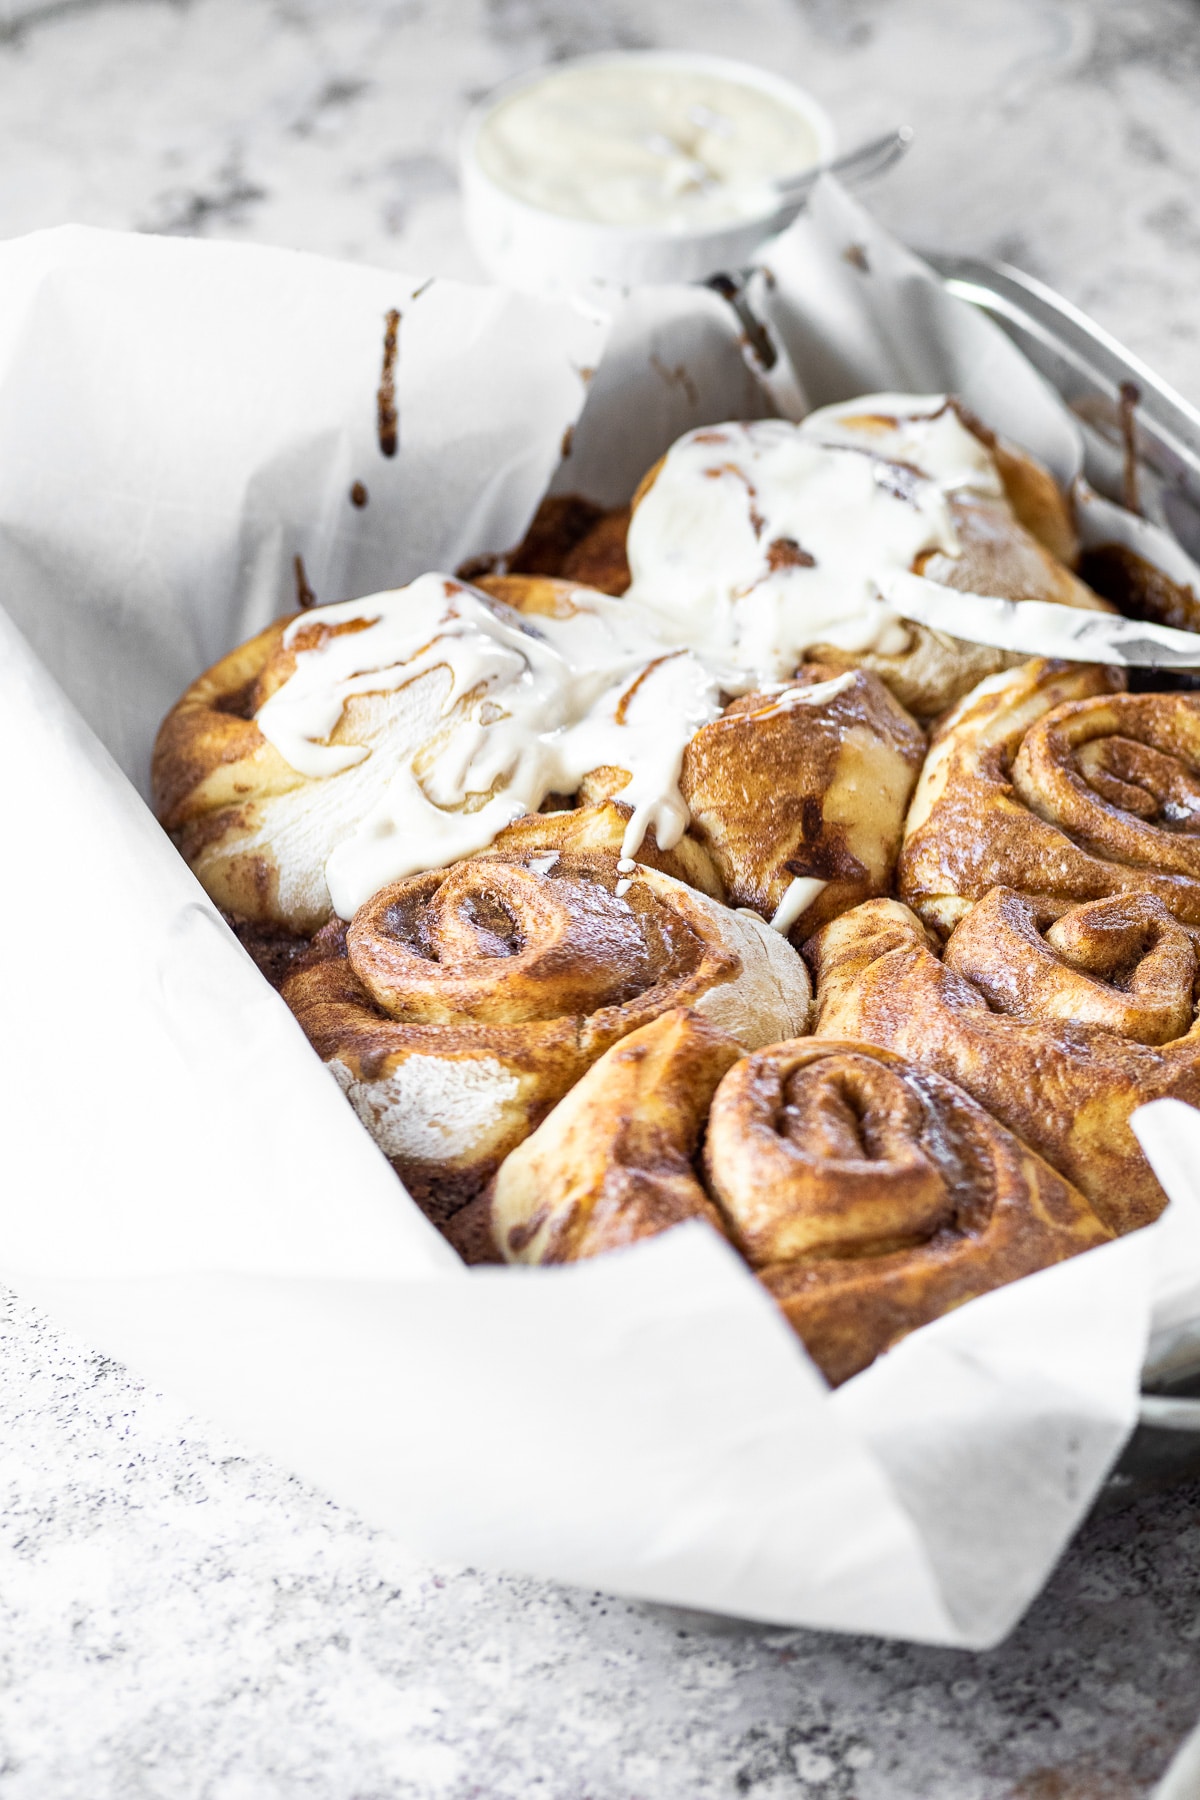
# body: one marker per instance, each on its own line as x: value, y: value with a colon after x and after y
x: 798, y: 898
x: 531, y: 705
x: 757, y: 541
x: 924, y: 430
x: 754, y: 543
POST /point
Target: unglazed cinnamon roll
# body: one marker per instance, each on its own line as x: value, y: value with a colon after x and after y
x: 459, y: 1005
x: 1060, y: 1022
x: 765, y: 542
x: 872, y: 1197
x: 799, y: 796
x: 1050, y: 780
x: 615, y: 1160
x: 869, y: 1197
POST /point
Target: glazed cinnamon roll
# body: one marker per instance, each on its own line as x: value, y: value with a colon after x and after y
x: 767, y: 542
x: 1052, y: 781
x: 363, y: 742
x: 796, y: 796
x: 1060, y: 1022
x: 459, y: 1005
x: 869, y: 1197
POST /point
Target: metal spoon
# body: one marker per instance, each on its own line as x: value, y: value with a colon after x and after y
x: 856, y: 165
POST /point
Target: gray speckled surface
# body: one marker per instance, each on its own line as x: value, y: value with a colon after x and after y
x: 181, y: 1621
x: 181, y: 1618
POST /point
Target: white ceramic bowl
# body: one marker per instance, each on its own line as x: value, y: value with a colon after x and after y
x: 548, y: 253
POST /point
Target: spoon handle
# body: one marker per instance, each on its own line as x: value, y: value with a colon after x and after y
x: 855, y: 165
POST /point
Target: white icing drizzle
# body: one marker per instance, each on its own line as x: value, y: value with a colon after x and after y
x: 756, y: 541
x: 818, y: 693
x: 799, y: 897
x: 531, y: 705
x: 923, y: 430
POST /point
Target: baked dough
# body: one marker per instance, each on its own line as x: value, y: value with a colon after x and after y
x: 1051, y: 780
x: 1060, y: 1022
x: 868, y: 1196
x: 459, y: 1005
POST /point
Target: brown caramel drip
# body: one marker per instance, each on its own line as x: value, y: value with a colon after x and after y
x: 386, y: 417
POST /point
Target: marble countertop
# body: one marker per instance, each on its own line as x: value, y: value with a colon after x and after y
x: 179, y: 1617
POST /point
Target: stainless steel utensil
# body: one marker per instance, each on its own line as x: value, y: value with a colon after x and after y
x: 869, y: 159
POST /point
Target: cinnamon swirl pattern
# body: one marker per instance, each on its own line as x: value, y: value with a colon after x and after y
x: 869, y: 1197
x: 459, y: 1005
x: 1060, y: 1022
x: 1052, y: 781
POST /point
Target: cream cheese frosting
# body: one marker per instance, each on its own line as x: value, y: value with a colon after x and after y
x: 673, y: 148
x: 529, y: 706
x: 755, y: 541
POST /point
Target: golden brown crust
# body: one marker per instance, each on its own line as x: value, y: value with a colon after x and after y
x: 781, y: 788
x: 544, y: 596
x: 601, y: 825
x: 1059, y: 1021
x: 460, y: 1005
x: 872, y: 1197
x: 598, y: 560
x: 613, y: 1162
x: 930, y: 673
x: 999, y: 556
x: 868, y: 1196
x: 1053, y: 782
x: 209, y: 753
x: 1038, y: 501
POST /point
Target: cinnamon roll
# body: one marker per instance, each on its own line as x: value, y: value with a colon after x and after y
x: 869, y: 1197
x: 460, y: 1004
x: 796, y: 796
x: 363, y: 742
x: 799, y: 797
x: 615, y: 1161
x: 768, y: 541
x: 1060, y: 1021
x: 1052, y: 781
